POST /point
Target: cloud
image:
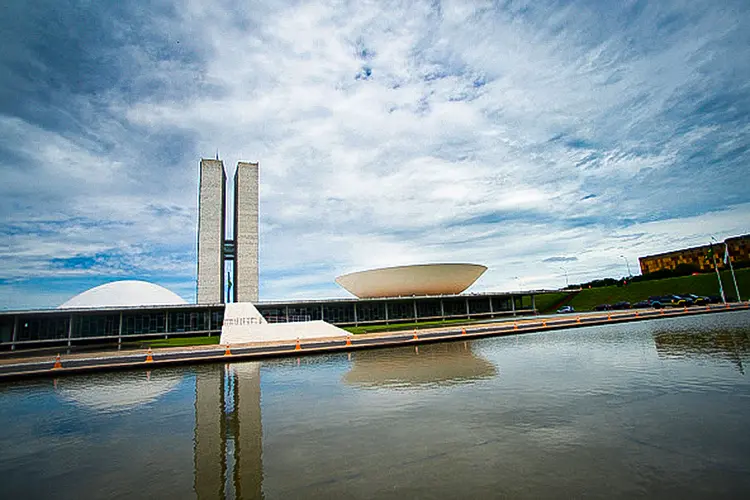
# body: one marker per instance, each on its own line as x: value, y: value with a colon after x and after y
x: 387, y: 133
x: 560, y: 259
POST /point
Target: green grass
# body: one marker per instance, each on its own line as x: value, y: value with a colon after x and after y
x: 549, y: 302
x: 182, y: 341
x: 355, y: 330
x: 703, y: 284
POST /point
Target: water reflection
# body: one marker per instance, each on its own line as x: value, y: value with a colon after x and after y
x: 105, y: 393
x: 420, y: 366
x: 730, y: 345
x: 228, y: 432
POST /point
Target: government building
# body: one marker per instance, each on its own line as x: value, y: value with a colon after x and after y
x: 739, y: 253
x: 130, y: 310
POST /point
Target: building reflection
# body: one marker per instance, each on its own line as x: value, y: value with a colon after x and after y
x: 110, y: 394
x: 228, y: 432
x: 733, y: 346
x: 428, y: 365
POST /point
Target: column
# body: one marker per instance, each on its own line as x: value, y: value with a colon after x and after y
x: 119, y: 332
x: 513, y: 304
x: 70, y: 329
x: 355, y: 314
x: 442, y: 310
x: 492, y: 312
x: 415, y: 310
x: 15, y: 333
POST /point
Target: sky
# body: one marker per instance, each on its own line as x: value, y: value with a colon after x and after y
x: 539, y: 138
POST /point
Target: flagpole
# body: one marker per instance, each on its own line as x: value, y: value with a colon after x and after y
x: 731, y: 268
x: 716, y: 268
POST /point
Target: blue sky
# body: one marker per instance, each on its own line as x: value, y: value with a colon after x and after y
x: 526, y: 136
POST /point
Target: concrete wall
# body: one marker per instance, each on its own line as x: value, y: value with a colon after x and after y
x: 246, y: 232
x: 211, y: 216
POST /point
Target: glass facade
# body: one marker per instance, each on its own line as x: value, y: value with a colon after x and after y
x: 43, y: 327
x: 96, y: 325
x: 81, y: 325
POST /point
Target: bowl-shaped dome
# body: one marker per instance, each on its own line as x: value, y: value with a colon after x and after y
x: 124, y: 294
x: 423, y: 279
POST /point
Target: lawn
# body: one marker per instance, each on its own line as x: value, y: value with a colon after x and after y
x: 702, y: 284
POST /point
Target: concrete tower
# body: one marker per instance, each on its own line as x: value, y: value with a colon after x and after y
x: 246, y: 232
x: 211, y: 233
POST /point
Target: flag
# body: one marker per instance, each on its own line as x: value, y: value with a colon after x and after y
x: 726, y: 254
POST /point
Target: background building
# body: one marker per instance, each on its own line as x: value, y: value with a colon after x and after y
x: 246, y: 232
x: 699, y: 257
x: 212, y: 197
x: 214, y: 248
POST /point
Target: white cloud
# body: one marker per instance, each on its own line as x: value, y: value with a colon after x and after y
x: 390, y: 133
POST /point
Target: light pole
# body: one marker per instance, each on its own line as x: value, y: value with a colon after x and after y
x: 716, y: 268
x: 731, y: 268
x: 566, y: 276
x: 627, y: 264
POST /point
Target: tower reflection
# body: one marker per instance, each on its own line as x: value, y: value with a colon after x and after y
x: 228, y: 432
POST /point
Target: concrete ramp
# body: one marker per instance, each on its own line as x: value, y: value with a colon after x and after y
x: 244, y: 324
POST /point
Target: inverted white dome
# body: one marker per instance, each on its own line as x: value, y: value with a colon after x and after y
x: 124, y: 294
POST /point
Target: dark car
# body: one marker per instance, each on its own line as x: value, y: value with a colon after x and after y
x: 714, y: 299
x: 658, y: 302
x: 641, y: 304
x: 699, y: 300
x: 681, y: 301
x: 621, y: 305
x: 603, y: 307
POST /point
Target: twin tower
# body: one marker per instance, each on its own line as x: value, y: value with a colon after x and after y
x: 214, y: 247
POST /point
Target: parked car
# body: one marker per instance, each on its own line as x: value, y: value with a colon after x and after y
x: 658, y: 302
x: 681, y: 301
x: 621, y: 305
x: 642, y: 304
x: 565, y: 309
x: 603, y: 307
x: 699, y: 300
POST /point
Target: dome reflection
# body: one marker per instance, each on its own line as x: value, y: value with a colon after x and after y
x: 429, y: 365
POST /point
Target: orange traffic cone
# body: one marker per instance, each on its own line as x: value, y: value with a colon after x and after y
x: 636, y: 314
x: 708, y: 308
x: 609, y: 316
x: 297, y: 346
x: 578, y: 320
x: 149, y: 356
x: 544, y: 323
x: 515, y: 325
x: 57, y: 364
x: 227, y: 352
x: 727, y: 305
x: 463, y: 331
x: 684, y: 309
x: 415, y: 334
x: 661, y: 311
x: 349, y: 340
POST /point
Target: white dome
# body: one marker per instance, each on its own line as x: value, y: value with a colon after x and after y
x: 124, y: 294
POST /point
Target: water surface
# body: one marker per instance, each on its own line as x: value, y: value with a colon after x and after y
x: 657, y: 408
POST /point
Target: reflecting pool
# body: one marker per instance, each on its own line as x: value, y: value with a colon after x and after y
x: 658, y: 408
